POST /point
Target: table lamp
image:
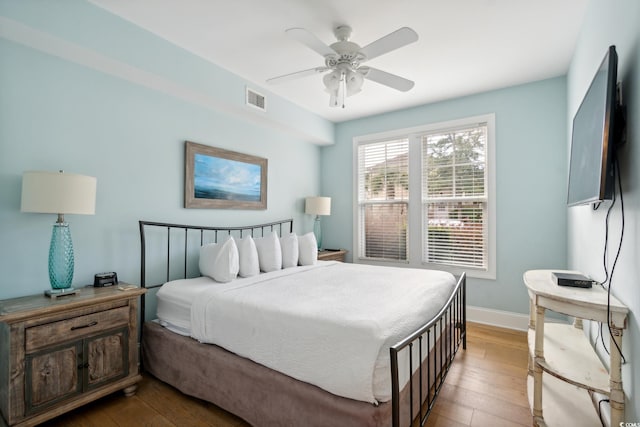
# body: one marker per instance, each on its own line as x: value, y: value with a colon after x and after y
x: 318, y: 206
x: 60, y: 193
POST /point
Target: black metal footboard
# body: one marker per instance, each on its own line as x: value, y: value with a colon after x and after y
x: 440, y: 339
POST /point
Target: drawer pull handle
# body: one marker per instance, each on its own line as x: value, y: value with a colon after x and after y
x: 88, y: 325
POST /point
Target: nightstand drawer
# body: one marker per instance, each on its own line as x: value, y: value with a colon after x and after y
x: 41, y: 336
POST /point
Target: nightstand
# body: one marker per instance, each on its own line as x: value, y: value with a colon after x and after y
x: 59, y: 354
x: 338, y: 255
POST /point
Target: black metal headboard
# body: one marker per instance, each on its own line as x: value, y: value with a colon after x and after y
x: 177, y: 241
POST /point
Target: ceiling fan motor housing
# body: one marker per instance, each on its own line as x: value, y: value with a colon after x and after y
x: 347, y: 53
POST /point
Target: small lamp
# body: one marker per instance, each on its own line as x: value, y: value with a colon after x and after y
x: 318, y: 206
x: 60, y: 193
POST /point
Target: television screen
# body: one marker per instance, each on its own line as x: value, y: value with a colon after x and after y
x: 590, y: 168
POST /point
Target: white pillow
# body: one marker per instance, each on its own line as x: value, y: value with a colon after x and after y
x: 220, y: 261
x: 289, y: 245
x: 249, y: 265
x: 307, y: 249
x: 269, y: 252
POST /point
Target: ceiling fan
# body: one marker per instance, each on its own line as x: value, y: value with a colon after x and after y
x: 343, y: 59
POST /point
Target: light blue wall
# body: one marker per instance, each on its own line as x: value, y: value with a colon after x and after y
x: 84, y: 91
x: 530, y: 179
x: 102, y: 34
x: 612, y: 23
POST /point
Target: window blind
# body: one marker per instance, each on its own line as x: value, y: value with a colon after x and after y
x: 383, y: 197
x: 454, y: 183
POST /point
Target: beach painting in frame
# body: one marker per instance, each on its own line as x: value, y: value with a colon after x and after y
x: 221, y: 179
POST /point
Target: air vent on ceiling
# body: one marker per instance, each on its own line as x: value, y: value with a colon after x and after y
x: 256, y: 100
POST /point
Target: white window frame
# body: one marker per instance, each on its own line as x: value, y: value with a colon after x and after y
x: 415, y: 220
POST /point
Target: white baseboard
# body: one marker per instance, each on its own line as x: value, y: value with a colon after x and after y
x: 503, y: 319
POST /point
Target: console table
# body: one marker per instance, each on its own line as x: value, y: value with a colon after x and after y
x: 564, y: 353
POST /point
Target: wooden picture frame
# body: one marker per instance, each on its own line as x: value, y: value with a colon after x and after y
x: 221, y: 179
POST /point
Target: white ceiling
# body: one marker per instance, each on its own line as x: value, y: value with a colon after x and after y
x: 464, y: 46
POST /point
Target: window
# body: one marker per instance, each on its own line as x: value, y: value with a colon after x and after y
x: 383, y: 189
x: 425, y: 197
x: 454, y: 196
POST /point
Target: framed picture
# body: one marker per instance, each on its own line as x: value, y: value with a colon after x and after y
x: 223, y: 179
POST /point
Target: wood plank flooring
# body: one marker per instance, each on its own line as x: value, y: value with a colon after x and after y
x: 485, y: 387
x: 487, y: 383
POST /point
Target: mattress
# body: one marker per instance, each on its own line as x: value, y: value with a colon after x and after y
x: 174, y: 302
x: 330, y: 325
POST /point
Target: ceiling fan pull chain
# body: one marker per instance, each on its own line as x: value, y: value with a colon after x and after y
x: 343, y: 87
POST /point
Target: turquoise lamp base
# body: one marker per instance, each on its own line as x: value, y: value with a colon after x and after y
x: 317, y: 231
x: 61, y: 263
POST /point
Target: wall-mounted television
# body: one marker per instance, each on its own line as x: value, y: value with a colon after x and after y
x: 594, y: 137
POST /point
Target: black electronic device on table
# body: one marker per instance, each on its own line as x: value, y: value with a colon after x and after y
x: 573, y: 280
x: 101, y: 280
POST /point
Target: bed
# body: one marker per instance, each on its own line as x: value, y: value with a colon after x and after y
x: 272, y: 348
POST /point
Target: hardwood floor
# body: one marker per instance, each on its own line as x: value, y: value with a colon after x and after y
x: 487, y: 383
x: 485, y: 387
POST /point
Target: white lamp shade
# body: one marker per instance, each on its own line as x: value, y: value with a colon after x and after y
x: 58, y: 193
x: 318, y: 206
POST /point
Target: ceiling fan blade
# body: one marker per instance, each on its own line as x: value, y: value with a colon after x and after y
x: 296, y: 75
x: 310, y: 40
x: 392, y: 41
x: 387, y: 79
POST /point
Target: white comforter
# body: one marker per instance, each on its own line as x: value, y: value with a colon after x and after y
x: 330, y: 324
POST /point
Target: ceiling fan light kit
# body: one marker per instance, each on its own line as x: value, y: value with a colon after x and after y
x: 344, y: 58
